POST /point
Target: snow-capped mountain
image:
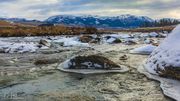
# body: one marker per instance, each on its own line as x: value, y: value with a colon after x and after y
x: 122, y: 21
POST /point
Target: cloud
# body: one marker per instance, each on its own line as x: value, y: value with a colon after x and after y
x: 4, y: 1
x: 42, y: 9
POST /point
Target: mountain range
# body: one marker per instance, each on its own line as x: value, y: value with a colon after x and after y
x: 122, y: 21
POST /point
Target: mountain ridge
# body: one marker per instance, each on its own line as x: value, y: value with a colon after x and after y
x: 121, y: 21
x: 124, y: 21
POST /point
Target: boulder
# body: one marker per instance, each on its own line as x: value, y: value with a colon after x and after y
x: 89, y: 39
x: 69, y: 42
x: 117, y: 41
x: 124, y: 57
x: 44, y: 42
x: 2, y: 50
x: 148, y: 41
x: 130, y: 42
x: 90, y: 62
x: 169, y: 71
x: 85, y: 38
x: 112, y: 40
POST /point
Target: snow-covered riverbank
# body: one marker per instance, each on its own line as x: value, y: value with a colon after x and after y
x: 33, y: 75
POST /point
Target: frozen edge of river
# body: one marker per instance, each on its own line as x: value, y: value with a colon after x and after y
x: 170, y: 87
x: 92, y: 71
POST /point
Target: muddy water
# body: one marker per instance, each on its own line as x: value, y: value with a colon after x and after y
x: 49, y: 84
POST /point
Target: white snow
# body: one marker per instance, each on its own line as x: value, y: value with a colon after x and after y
x: 168, y: 53
x: 22, y: 47
x: 67, y: 64
x: 147, y: 41
x: 73, y: 41
x: 120, y: 35
x: 130, y: 40
x: 97, y: 65
x: 170, y: 87
x: 147, y: 49
x: 113, y: 37
x: 31, y: 44
x: 153, y: 34
x: 18, y: 47
x: 144, y: 35
x: 110, y: 40
x: 89, y: 64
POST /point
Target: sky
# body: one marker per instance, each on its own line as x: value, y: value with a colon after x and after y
x: 42, y: 9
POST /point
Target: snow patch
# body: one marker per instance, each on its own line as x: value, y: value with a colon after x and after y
x: 153, y: 34
x: 67, y: 64
x: 18, y: 47
x: 73, y: 41
x: 148, y: 49
x: 110, y: 40
x: 167, y: 54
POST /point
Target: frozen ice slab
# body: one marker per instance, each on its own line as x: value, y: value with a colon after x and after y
x: 170, y: 87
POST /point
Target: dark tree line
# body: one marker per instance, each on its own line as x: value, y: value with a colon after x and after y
x: 166, y: 22
x: 161, y: 23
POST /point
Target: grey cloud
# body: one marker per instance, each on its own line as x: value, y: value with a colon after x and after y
x: 7, y: 1
x: 145, y: 7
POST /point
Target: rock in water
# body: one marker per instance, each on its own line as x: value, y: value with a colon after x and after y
x: 153, y: 34
x: 45, y: 43
x: 165, y: 60
x: 124, y: 57
x: 86, y: 38
x: 89, y: 39
x: 130, y: 42
x: 2, y: 50
x: 90, y: 62
x: 112, y: 40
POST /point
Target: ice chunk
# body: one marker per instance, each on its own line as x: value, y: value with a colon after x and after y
x: 153, y: 34
x: 147, y: 49
x: 73, y: 41
x: 170, y: 87
x: 22, y: 47
x: 112, y: 39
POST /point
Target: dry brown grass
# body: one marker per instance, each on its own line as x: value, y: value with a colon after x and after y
x: 44, y: 31
x: 45, y: 61
x: 8, y: 29
x: 145, y: 29
x: 169, y: 72
x: 5, y: 24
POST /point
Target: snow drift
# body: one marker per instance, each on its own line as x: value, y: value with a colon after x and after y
x: 22, y: 47
x: 146, y: 50
x: 165, y: 60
